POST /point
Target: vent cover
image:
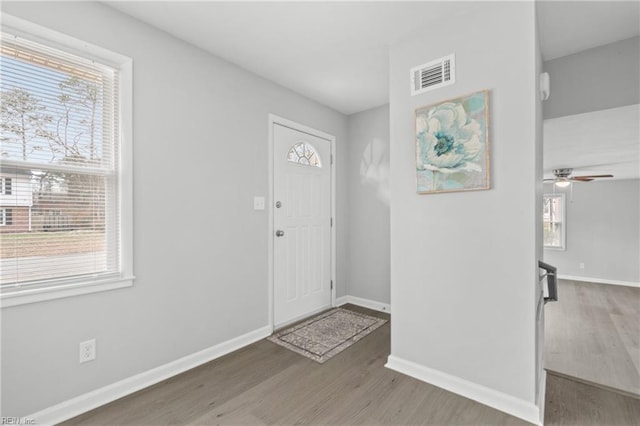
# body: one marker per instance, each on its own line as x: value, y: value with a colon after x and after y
x: 432, y: 75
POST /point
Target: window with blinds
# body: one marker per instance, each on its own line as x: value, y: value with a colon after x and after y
x: 60, y: 167
x: 554, y: 218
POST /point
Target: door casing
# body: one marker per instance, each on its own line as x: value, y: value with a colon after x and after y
x: 274, y: 119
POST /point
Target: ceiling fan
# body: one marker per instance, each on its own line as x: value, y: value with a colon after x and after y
x: 563, y: 177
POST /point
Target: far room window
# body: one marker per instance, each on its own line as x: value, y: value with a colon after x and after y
x: 65, y: 142
x: 554, y: 222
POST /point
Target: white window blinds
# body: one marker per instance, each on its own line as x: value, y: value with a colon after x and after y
x: 59, y: 142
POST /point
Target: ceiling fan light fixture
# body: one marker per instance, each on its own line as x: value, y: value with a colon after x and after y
x: 563, y: 183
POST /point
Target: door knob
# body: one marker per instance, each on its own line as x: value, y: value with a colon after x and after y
x: 279, y: 233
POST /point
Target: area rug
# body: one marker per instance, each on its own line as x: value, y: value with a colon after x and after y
x: 327, y: 334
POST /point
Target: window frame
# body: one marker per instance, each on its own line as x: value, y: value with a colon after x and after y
x: 563, y: 222
x: 3, y: 216
x: 55, y: 289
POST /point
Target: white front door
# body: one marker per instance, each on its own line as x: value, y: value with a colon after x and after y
x: 302, y: 224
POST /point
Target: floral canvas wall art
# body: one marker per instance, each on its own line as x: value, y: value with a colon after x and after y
x: 452, y: 144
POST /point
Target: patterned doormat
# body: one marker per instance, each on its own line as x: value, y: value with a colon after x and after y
x: 327, y: 334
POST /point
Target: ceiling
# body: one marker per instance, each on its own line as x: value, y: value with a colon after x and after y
x: 568, y: 27
x: 337, y: 53
x: 600, y: 142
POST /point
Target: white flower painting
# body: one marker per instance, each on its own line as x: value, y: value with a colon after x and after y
x: 452, y: 145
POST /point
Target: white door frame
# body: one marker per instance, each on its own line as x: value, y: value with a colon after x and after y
x: 274, y: 119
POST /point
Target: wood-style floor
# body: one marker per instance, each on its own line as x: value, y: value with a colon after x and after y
x: 593, y: 333
x: 267, y: 384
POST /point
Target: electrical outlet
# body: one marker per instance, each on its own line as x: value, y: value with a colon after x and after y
x: 581, y: 265
x: 87, y: 350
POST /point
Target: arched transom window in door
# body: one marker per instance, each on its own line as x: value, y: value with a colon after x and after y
x: 305, y: 154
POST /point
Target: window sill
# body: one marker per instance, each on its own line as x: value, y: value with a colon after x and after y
x: 34, y: 295
x: 555, y: 248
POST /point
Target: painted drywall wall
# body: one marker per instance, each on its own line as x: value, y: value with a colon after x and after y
x: 464, y: 265
x: 200, y: 250
x: 599, y: 78
x: 538, y: 291
x: 603, y: 231
x: 368, y: 274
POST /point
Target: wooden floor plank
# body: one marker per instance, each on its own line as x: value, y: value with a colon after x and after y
x: 593, y: 333
x: 572, y: 403
x: 266, y: 384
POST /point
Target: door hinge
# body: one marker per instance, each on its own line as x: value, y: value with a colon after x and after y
x: 331, y: 158
x: 331, y: 221
x: 331, y: 284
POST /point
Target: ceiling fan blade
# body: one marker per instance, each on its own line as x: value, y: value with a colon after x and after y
x: 550, y: 179
x: 593, y: 176
x: 581, y: 179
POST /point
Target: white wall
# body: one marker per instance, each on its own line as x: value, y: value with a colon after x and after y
x: 600, y: 78
x: 200, y: 249
x: 603, y: 232
x: 368, y: 175
x: 464, y: 265
x: 603, y: 220
x: 538, y: 234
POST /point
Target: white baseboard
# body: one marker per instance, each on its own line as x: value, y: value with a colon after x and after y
x: 500, y: 401
x: 83, y: 403
x: 599, y: 280
x: 342, y: 300
x: 365, y: 303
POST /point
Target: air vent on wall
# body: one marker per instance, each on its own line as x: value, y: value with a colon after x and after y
x: 432, y: 75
